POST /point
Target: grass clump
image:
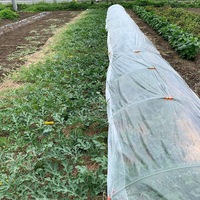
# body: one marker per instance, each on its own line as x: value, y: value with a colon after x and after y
x: 54, y: 128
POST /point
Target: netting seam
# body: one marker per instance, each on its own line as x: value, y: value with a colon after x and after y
x: 154, y: 174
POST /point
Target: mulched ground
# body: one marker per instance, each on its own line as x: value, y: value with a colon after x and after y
x: 30, y: 37
x: 43, y: 28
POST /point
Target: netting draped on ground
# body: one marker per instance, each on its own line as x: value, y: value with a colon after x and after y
x: 154, y: 120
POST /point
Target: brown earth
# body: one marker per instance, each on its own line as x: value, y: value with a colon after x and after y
x: 28, y: 35
x: 195, y: 10
x: 189, y: 70
x: 24, y: 40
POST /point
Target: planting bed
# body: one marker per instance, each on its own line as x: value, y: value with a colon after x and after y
x: 28, y: 37
x: 55, y: 129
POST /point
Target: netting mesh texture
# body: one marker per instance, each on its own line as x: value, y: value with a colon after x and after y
x: 154, y: 120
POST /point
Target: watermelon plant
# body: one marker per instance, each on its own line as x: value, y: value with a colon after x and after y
x: 53, y: 129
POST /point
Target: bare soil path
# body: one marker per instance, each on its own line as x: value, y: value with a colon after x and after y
x: 189, y: 70
x: 195, y: 10
x: 24, y: 38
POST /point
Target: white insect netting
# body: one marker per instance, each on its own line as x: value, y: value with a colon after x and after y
x: 154, y: 120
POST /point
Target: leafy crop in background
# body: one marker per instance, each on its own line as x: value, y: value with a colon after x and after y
x: 186, y: 44
x: 188, y: 21
x: 8, y: 14
x: 74, y: 5
x: 184, y: 4
x: 54, y: 129
x: 158, y: 3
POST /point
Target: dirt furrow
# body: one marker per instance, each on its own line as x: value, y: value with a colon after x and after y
x: 31, y: 34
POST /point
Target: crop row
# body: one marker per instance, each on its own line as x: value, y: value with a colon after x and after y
x: 53, y: 129
x: 188, y: 21
x: 186, y: 44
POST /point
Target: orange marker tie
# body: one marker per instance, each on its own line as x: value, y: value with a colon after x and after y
x: 168, y: 98
x: 108, y: 198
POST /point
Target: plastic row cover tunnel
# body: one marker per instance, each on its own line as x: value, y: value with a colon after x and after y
x: 154, y: 120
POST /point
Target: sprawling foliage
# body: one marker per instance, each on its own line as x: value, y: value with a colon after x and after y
x: 53, y: 130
